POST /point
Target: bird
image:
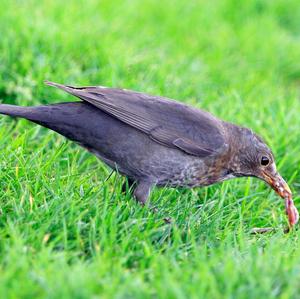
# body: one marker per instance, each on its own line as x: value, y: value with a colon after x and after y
x: 157, y: 141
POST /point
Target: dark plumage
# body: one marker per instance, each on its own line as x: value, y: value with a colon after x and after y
x: 156, y: 141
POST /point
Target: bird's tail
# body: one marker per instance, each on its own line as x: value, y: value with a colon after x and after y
x: 17, y: 111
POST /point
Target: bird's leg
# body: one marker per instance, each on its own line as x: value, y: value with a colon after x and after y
x: 141, y: 194
x: 142, y: 191
x: 130, y: 183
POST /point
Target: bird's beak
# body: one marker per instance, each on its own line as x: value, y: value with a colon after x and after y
x: 282, y: 188
x: 278, y: 184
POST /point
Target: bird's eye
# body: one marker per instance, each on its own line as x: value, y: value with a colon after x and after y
x: 264, y: 161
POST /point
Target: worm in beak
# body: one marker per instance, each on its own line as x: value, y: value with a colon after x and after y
x: 284, y: 191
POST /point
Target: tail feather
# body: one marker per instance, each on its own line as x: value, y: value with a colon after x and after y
x: 17, y: 111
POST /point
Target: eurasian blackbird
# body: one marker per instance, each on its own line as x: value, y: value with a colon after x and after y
x: 155, y: 141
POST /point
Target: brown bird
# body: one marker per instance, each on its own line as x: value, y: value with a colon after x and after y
x: 155, y: 141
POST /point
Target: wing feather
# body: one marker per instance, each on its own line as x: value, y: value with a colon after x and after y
x: 166, y: 121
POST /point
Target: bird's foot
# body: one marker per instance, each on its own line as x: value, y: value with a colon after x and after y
x: 141, y: 194
x: 167, y: 220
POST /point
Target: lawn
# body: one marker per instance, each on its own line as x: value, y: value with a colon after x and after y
x: 67, y: 230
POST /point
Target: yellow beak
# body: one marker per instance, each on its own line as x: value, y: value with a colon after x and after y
x: 278, y: 184
x: 282, y: 188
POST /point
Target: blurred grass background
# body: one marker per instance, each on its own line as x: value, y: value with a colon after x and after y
x: 67, y: 231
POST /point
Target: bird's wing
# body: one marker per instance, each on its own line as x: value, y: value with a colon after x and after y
x: 166, y: 121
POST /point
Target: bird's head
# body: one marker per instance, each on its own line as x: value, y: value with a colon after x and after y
x: 254, y: 158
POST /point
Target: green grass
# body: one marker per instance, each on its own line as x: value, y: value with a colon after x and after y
x: 67, y: 231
